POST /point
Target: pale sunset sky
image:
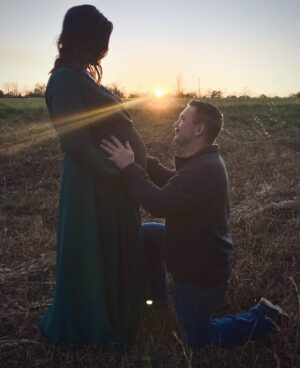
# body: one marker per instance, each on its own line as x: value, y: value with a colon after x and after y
x: 236, y: 46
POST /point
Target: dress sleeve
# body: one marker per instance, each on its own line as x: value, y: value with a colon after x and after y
x: 71, y: 120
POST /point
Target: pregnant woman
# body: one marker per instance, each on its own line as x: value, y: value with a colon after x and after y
x: 100, y: 271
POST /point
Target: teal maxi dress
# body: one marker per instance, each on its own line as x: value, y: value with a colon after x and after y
x: 101, y: 282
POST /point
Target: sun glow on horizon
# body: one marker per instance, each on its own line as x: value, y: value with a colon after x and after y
x: 159, y: 93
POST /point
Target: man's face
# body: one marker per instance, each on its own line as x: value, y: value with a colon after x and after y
x: 185, y: 129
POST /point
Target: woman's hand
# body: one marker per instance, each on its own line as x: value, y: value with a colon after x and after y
x: 121, y: 155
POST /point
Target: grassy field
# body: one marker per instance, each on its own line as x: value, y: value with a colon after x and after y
x: 261, y: 147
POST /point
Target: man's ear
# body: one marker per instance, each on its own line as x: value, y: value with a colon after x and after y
x: 200, y: 129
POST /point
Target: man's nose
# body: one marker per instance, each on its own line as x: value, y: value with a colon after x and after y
x: 175, y: 124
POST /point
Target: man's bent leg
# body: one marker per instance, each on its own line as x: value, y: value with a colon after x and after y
x: 195, y: 307
x: 153, y: 233
x: 242, y: 327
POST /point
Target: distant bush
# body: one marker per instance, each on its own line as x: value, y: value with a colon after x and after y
x: 182, y: 94
x: 12, y: 95
x: 134, y: 95
x: 216, y: 94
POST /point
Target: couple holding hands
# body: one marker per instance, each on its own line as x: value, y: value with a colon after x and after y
x: 108, y: 263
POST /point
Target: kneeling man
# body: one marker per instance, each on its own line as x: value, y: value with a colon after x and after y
x: 197, y: 248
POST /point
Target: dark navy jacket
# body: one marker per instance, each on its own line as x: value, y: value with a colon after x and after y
x: 194, y: 200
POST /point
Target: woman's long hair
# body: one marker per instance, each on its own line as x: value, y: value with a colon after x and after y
x: 84, y: 40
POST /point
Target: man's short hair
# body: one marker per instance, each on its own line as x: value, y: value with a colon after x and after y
x: 210, y: 116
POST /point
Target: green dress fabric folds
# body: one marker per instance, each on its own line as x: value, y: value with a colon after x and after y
x: 101, y: 283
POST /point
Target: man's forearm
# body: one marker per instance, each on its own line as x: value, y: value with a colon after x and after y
x: 158, y: 173
x: 142, y: 188
x: 177, y: 196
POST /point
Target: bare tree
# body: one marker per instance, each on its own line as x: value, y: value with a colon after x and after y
x: 116, y: 89
x: 11, y: 89
x: 246, y: 92
x: 297, y: 95
x: 39, y: 89
x: 179, y: 85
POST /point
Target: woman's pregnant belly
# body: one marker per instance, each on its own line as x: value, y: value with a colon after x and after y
x: 124, y: 132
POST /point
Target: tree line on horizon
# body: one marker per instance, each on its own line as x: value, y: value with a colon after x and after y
x: 11, y: 90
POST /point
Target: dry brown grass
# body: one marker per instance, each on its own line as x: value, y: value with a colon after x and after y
x: 261, y: 148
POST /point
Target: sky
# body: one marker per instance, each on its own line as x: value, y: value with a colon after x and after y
x: 237, y: 46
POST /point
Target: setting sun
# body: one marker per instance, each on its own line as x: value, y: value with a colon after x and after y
x: 159, y: 93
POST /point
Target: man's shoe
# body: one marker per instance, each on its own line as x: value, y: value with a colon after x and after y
x: 273, y: 311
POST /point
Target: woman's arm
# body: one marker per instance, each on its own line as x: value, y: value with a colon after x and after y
x: 71, y: 119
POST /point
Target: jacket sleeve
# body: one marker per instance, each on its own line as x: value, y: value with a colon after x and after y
x: 70, y: 118
x: 182, y: 192
x: 158, y: 173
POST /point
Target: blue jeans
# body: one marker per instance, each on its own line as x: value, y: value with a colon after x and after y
x: 195, y: 306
